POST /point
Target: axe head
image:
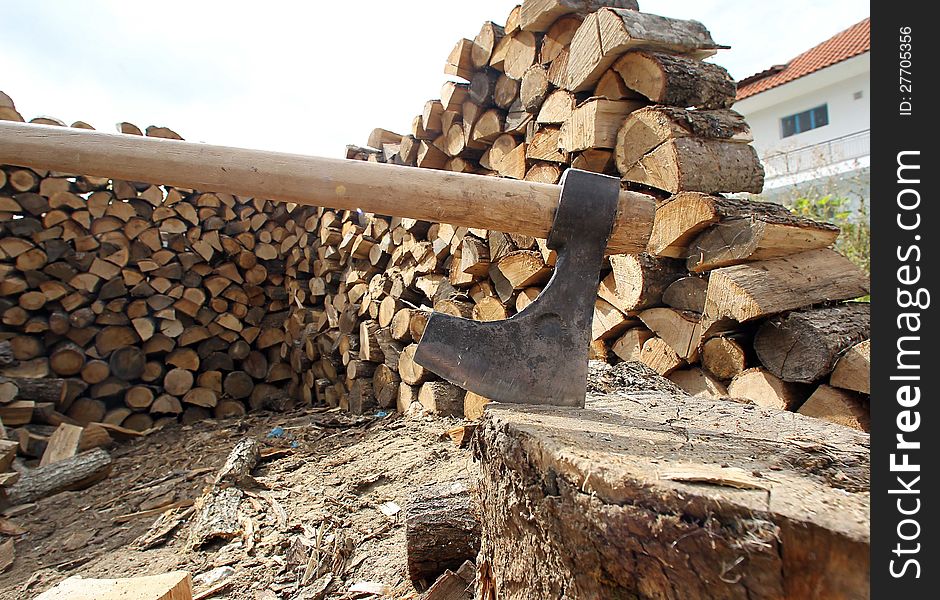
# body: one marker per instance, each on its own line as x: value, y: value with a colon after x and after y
x: 539, y: 355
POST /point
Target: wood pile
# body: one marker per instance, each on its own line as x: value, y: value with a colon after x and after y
x: 709, y: 304
x: 123, y: 305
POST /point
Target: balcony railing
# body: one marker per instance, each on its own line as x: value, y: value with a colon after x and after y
x: 837, y: 150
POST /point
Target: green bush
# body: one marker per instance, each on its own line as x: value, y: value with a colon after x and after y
x: 855, y: 240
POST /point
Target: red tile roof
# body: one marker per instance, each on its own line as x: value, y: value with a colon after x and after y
x: 853, y: 41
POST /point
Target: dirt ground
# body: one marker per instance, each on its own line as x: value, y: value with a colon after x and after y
x: 323, y: 481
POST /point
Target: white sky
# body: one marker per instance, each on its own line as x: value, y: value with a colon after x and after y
x: 306, y: 76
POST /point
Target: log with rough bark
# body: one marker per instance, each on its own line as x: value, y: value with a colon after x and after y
x: 637, y: 281
x: 838, y: 406
x: 670, y: 516
x: 217, y: 515
x: 679, y: 81
x: 763, y: 388
x: 37, y: 390
x: 539, y: 15
x: 804, y: 346
x: 441, y: 530
x: 759, y: 289
x: 75, y: 473
x: 610, y: 32
x: 853, y: 371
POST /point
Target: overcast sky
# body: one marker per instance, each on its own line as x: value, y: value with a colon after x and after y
x: 306, y: 76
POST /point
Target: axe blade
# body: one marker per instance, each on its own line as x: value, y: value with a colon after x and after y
x: 540, y: 355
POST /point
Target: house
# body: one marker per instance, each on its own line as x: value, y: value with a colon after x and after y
x: 811, y: 120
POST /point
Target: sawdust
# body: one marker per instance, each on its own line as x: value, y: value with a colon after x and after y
x: 325, y: 516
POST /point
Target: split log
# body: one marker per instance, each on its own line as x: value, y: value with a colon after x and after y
x: 520, y: 54
x: 474, y: 405
x: 804, y: 345
x: 522, y: 268
x: 637, y: 281
x: 679, y: 81
x: 749, y: 291
x: 484, y: 43
x: 175, y: 585
x: 702, y: 506
x: 441, y: 530
x: 410, y: 371
x: 697, y: 382
x: 686, y: 293
x: 838, y: 406
x: 539, y: 15
x: 534, y: 88
x: 595, y: 123
x: 629, y: 346
x: 75, y: 473
x: 18, y: 412
x: 681, y: 330
x: 711, y: 166
x: 610, y: 32
x: 659, y: 356
x: 460, y: 61
x: 724, y: 357
x: 763, y: 388
x: 441, y: 398
x: 63, y: 443
x: 608, y: 321
x: 853, y: 371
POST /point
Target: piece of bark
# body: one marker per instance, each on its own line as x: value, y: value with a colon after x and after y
x: 853, y: 371
x: 763, y: 388
x: 837, y: 406
x: 441, y: 530
x: 659, y: 356
x: 637, y: 281
x: 724, y: 357
x: 453, y: 586
x: 686, y: 293
x: 610, y: 32
x: 75, y: 473
x: 593, y: 499
x: 803, y: 346
x: 711, y: 166
x: 749, y: 291
x: 673, y: 80
x: 175, y: 585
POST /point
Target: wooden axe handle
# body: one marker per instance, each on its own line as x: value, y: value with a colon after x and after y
x: 441, y: 196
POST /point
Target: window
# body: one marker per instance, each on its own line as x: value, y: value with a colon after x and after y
x: 804, y: 121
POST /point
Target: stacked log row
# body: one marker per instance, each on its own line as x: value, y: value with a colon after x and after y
x: 125, y: 303
x: 708, y: 303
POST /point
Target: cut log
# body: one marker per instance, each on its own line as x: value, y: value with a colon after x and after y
x: 460, y: 60
x: 610, y: 32
x: 629, y: 346
x: 724, y: 357
x: 686, y: 293
x: 804, y: 345
x: 608, y: 321
x: 534, y: 88
x: 67, y: 360
x: 763, y: 388
x: 176, y: 585
x: 539, y: 15
x: 637, y: 281
x: 759, y: 289
x: 697, y: 382
x: 35, y: 389
x: 556, y: 108
x: 741, y: 240
x: 679, y: 81
x: 520, y: 54
x: 591, y: 500
x: 178, y: 381
x: 410, y: 371
x: 523, y: 268
x: 711, y: 166
x: 595, y: 123
x: 853, y: 371
x: 441, y: 398
x: 659, y: 356
x: 837, y: 406
x: 681, y: 330
x: 441, y: 530
x: 75, y: 473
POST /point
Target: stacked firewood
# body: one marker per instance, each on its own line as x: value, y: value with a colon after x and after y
x: 733, y: 297
x: 124, y: 303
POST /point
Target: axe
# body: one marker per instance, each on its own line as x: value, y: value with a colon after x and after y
x: 538, y: 356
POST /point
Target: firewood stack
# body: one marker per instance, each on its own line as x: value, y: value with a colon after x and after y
x: 125, y: 303
x: 733, y: 298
